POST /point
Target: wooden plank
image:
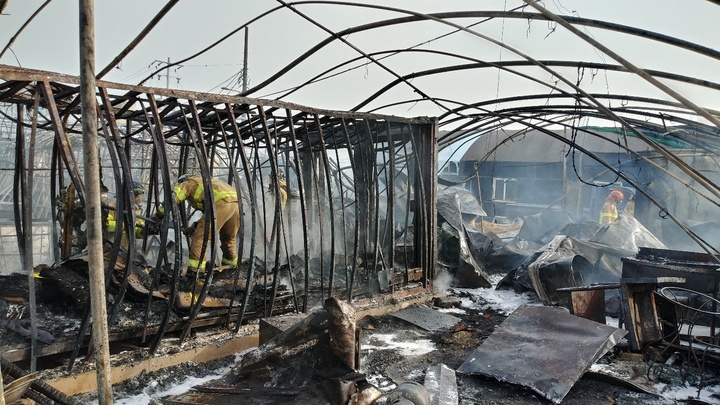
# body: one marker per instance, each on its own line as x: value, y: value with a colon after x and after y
x: 588, y: 305
x: 66, y: 152
x: 14, y: 88
x: 641, y: 318
x: 12, y: 73
x: 87, y: 381
x: 391, y: 304
x: 414, y: 274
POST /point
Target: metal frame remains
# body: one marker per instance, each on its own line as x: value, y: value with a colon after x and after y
x: 365, y: 228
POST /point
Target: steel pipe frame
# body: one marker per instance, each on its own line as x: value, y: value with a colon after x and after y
x: 435, y: 17
x: 208, y: 127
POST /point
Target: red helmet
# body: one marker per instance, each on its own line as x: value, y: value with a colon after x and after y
x: 617, y: 195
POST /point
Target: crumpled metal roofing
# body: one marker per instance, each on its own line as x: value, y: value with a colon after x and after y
x: 543, y: 348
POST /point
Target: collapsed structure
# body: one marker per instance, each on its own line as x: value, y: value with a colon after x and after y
x: 356, y: 182
x: 365, y: 212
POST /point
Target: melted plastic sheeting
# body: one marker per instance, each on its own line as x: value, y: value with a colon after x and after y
x: 455, y: 202
x: 542, y: 227
x: 564, y: 262
x: 459, y: 209
x: 568, y: 262
x: 543, y: 348
x: 627, y: 234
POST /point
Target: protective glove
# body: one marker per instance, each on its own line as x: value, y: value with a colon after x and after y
x: 190, y: 230
x: 153, y: 228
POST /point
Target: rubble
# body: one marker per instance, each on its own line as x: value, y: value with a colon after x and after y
x: 441, y: 384
x: 313, y: 359
x: 409, y: 393
x: 393, y: 351
x: 446, y: 302
x: 566, y: 261
x: 619, y: 269
x: 30, y: 385
x: 14, y: 390
x: 543, y: 348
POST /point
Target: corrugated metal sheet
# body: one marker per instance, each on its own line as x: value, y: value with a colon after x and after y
x: 543, y: 348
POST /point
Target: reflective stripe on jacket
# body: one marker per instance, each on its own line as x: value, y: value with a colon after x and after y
x: 111, y: 223
x: 193, y: 190
x: 608, y: 213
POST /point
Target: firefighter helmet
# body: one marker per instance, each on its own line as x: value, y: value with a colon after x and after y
x: 617, y: 195
x: 138, y: 188
x: 183, y: 178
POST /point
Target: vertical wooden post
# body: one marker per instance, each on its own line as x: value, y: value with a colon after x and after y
x: 92, y: 199
x: 431, y: 154
x: 2, y: 389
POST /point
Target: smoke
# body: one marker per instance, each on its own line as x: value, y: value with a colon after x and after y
x: 443, y: 280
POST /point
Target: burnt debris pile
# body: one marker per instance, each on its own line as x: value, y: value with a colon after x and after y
x: 665, y: 303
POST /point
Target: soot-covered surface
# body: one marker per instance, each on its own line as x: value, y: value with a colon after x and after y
x: 394, y: 351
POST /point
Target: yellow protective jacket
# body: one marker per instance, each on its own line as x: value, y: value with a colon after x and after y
x: 630, y: 208
x: 193, y: 190
x: 111, y: 224
x: 226, y: 217
x: 608, y: 213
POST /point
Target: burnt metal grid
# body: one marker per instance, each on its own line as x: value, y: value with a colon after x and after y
x: 564, y: 102
x: 359, y: 182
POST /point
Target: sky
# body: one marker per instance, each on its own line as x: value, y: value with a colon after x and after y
x: 51, y: 43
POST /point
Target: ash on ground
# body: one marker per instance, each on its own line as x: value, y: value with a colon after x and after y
x: 141, y: 389
x: 394, y: 351
x: 405, y: 357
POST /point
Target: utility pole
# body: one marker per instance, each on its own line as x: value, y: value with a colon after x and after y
x: 91, y: 160
x: 159, y: 63
x: 245, y: 61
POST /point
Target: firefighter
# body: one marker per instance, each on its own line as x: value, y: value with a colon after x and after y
x: 227, y: 216
x: 111, y: 223
x: 282, y: 186
x: 630, y: 206
x: 609, y: 212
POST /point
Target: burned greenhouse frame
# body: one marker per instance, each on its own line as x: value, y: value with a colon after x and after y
x: 358, y: 222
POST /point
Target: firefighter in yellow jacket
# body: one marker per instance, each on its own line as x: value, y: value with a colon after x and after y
x: 609, y: 212
x: 282, y: 187
x: 630, y: 206
x: 227, y: 216
x: 111, y: 223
